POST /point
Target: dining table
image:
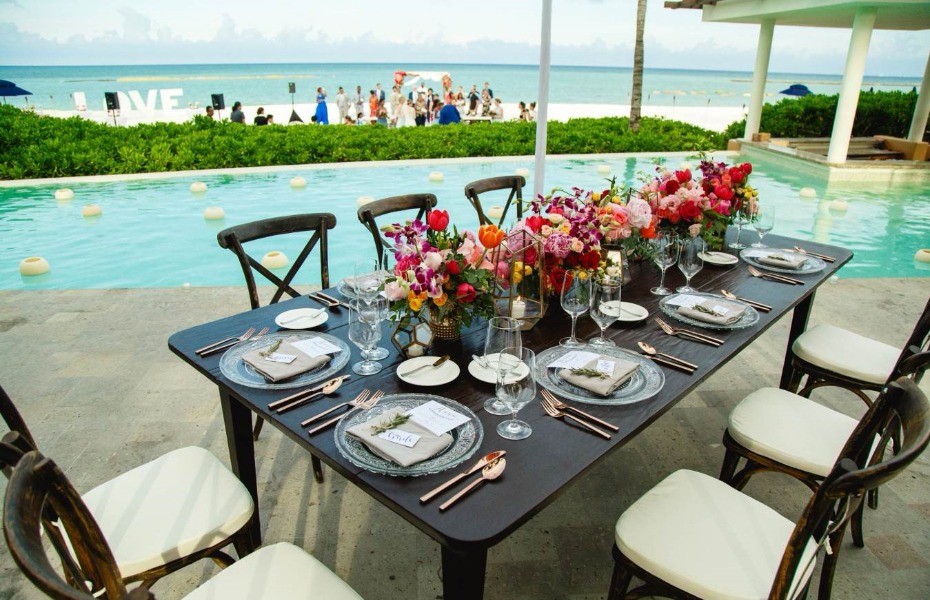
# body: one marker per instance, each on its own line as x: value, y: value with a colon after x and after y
x: 539, y: 468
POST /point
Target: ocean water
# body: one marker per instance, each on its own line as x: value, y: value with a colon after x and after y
x: 253, y: 84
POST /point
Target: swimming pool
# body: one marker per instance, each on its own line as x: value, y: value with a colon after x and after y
x: 152, y: 232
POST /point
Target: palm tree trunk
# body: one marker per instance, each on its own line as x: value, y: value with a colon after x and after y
x: 636, y: 99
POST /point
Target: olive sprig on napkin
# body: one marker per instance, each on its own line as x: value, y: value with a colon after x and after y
x: 388, y: 425
x: 589, y: 373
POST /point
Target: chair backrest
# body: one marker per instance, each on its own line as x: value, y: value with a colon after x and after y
x: 514, y: 183
x: 13, y: 419
x: 917, y: 342
x: 368, y: 213
x: 233, y: 238
x: 37, y: 486
x: 901, y: 405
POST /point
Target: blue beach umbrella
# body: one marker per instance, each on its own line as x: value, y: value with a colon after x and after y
x: 796, y: 89
x: 8, y: 88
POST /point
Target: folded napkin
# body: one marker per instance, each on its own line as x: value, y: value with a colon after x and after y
x: 426, y: 447
x: 732, y: 312
x: 278, y: 371
x: 784, y: 260
x: 604, y: 386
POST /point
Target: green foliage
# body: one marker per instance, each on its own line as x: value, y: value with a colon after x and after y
x: 885, y: 113
x: 33, y: 146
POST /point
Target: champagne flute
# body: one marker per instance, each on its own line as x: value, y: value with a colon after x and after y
x: 740, y: 219
x: 665, y: 248
x: 365, y: 336
x: 690, y: 262
x: 605, y: 308
x: 503, y: 332
x: 576, y: 300
x: 516, y: 389
x: 763, y: 223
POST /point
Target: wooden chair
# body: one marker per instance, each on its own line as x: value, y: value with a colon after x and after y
x: 693, y: 536
x: 161, y: 516
x: 422, y: 203
x: 233, y: 238
x: 832, y: 356
x: 514, y: 183
x: 37, y: 488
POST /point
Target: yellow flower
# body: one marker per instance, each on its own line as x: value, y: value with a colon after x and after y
x: 582, y: 274
x: 565, y: 228
x: 527, y: 270
x: 617, y: 200
x: 596, y: 196
x: 516, y: 276
x: 415, y: 304
x: 440, y: 301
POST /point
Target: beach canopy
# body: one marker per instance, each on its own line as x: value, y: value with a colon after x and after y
x: 796, y: 89
x: 8, y: 88
x: 418, y: 76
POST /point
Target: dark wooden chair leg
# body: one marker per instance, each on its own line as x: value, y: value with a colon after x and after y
x: 620, y: 579
x: 829, y: 565
x: 728, y: 469
x: 855, y: 524
x: 257, y: 431
x: 317, y: 465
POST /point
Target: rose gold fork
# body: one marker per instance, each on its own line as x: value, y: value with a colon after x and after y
x: 363, y: 404
x: 564, y: 407
x: 694, y: 335
x: 552, y: 411
x: 208, y: 349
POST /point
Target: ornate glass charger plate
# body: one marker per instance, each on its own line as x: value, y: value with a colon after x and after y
x: 237, y: 370
x: 466, y: 438
x: 750, y: 315
x: 645, y: 382
x: 811, y: 264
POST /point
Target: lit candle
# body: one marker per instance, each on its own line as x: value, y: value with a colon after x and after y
x: 518, y: 308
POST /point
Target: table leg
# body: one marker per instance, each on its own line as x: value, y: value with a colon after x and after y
x: 799, y: 319
x: 238, y: 421
x: 463, y: 574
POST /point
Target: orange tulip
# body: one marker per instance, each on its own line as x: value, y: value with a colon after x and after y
x: 490, y: 236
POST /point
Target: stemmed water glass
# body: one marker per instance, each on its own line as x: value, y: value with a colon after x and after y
x: 576, y: 300
x: 516, y: 389
x: 763, y: 222
x: 605, y: 307
x: 690, y: 261
x: 374, y: 312
x: 740, y: 219
x: 369, y: 279
x: 503, y: 332
x: 365, y: 335
x: 665, y: 253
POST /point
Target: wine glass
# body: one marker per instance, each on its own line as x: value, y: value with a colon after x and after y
x: 690, y: 261
x: 763, y: 223
x: 605, y: 307
x: 369, y: 278
x: 576, y: 300
x: 516, y: 389
x: 374, y: 312
x: 503, y: 332
x: 740, y: 219
x: 665, y: 253
x: 364, y: 335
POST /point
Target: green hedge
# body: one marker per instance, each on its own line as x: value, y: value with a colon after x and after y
x: 33, y: 146
x: 887, y: 113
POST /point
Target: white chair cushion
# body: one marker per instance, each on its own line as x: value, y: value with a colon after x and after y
x: 790, y: 429
x: 278, y: 572
x: 846, y: 353
x: 177, y: 504
x: 706, y: 538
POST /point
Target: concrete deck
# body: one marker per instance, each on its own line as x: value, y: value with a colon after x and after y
x: 92, y: 374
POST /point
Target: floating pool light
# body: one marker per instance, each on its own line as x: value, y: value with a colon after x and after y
x: 603, y: 169
x: 198, y: 187
x: 922, y: 255
x: 214, y: 213
x: 91, y: 210
x: 275, y: 260
x: 363, y: 200
x: 64, y: 194
x: 523, y: 172
x: 808, y: 192
x: 496, y: 212
x: 436, y: 176
x: 839, y: 207
x: 298, y: 182
x: 34, y: 265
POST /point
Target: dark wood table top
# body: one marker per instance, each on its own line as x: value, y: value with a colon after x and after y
x: 540, y: 467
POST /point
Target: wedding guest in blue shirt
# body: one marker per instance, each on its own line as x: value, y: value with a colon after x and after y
x: 448, y: 114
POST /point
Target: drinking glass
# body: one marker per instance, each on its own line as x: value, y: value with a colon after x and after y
x: 763, y: 223
x: 365, y: 336
x: 665, y: 249
x: 605, y: 308
x: 516, y: 389
x: 576, y: 300
x: 374, y: 312
x: 369, y: 278
x: 740, y: 219
x: 689, y: 261
x: 503, y: 332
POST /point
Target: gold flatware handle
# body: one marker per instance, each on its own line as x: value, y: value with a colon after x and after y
x: 298, y: 402
x: 672, y: 364
x: 699, y: 337
x: 209, y: 347
x: 590, y: 427
x: 316, y: 418
x: 219, y: 348
x: 592, y: 418
x: 782, y: 279
x: 755, y: 304
x: 316, y: 388
x: 461, y: 494
x: 815, y: 254
x: 329, y: 423
x: 690, y: 365
x: 438, y: 490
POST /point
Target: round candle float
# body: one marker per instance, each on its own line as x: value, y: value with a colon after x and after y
x: 496, y: 212
x: 436, y: 176
x: 808, y: 192
x: 839, y: 206
x: 523, y: 172
x: 363, y: 200
x: 603, y: 169
x: 923, y: 255
x: 214, y: 213
x: 298, y: 182
x: 34, y: 265
x: 64, y: 194
x: 198, y: 187
x: 91, y: 210
x: 275, y: 260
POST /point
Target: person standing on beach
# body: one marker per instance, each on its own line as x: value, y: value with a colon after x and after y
x: 380, y: 93
x: 210, y: 111
x: 359, y: 101
x: 473, y: 98
x: 322, y: 113
x: 396, y: 100
x: 420, y: 108
x: 487, y: 88
x: 237, y: 116
x: 342, y: 104
x: 372, y: 106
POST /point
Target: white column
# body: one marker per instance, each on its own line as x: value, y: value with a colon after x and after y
x: 852, y: 83
x: 542, y: 100
x: 759, y: 75
x: 922, y: 110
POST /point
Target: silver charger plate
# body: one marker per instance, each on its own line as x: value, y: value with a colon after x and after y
x: 750, y: 316
x: 466, y: 438
x: 812, y: 264
x: 645, y: 382
x: 237, y: 370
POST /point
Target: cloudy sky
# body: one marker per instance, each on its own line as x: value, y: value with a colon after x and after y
x: 585, y: 32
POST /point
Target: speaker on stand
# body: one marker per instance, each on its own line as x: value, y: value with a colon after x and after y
x: 112, y: 100
x: 219, y: 104
x: 292, y: 89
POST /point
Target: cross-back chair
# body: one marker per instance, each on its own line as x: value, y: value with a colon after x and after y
x: 368, y: 213
x: 693, y: 536
x: 38, y: 488
x: 159, y: 517
x: 514, y: 183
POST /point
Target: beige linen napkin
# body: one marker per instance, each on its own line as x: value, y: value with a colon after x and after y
x: 426, y: 447
x: 734, y: 312
x: 279, y: 371
x: 783, y: 260
x: 604, y: 386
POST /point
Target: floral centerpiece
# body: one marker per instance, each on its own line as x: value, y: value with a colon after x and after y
x: 447, y: 273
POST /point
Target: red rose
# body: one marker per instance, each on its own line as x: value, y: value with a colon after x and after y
x: 671, y: 186
x: 683, y: 176
x: 736, y: 174
x: 591, y: 260
x: 723, y: 192
x: 438, y: 219
x: 559, y: 277
x: 465, y: 293
x: 530, y: 256
x: 689, y: 210
x: 573, y: 260
x: 746, y: 168
x: 453, y: 268
x: 535, y: 223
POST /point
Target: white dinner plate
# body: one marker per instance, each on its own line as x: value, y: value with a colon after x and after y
x: 718, y: 258
x: 302, y: 318
x: 631, y: 313
x: 429, y: 376
x: 490, y: 375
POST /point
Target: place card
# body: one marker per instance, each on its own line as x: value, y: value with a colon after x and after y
x: 606, y: 367
x: 435, y: 417
x: 685, y: 300
x: 280, y: 357
x: 404, y: 438
x: 756, y: 253
x: 316, y: 346
x: 576, y: 359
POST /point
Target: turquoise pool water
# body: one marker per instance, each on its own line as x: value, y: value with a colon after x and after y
x: 152, y: 232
